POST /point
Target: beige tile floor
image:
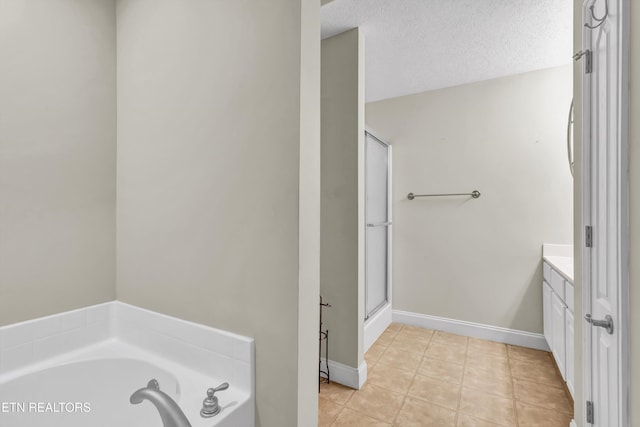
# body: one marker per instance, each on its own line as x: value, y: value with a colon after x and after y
x: 420, y: 377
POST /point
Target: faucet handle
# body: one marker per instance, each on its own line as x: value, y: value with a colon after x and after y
x: 210, y: 405
x: 221, y: 387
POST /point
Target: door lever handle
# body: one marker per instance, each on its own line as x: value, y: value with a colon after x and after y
x: 607, y: 323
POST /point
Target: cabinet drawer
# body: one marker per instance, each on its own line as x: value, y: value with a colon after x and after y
x: 568, y: 295
x: 546, y: 271
x: 557, y: 283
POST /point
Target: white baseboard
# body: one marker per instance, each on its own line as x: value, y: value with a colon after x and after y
x: 470, y: 329
x: 376, y: 325
x: 346, y: 375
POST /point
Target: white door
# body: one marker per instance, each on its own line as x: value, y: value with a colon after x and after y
x: 377, y: 224
x: 603, y: 111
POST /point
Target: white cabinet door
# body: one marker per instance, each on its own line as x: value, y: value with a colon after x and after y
x: 558, y: 326
x: 547, y: 319
x: 569, y: 350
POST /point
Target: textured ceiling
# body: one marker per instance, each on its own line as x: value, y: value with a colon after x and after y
x: 412, y: 46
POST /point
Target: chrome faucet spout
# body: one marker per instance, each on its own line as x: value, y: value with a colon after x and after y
x: 170, y: 412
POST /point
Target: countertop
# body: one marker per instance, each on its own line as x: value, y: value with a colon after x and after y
x: 560, y: 257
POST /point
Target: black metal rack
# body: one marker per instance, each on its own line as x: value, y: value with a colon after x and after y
x: 323, y: 376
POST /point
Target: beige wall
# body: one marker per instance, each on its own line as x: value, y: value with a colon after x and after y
x: 57, y: 156
x: 212, y: 109
x: 309, y: 222
x: 479, y: 260
x: 342, y: 136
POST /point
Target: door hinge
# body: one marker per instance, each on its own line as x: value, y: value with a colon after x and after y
x: 590, y: 412
x: 588, y: 63
x: 588, y: 236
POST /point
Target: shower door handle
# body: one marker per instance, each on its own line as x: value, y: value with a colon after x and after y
x: 570, y: 138
x: 378, y: 224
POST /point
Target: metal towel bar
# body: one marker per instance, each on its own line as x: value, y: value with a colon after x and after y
x: 475, y: 194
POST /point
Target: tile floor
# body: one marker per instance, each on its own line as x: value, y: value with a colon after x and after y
x: 420, y: 377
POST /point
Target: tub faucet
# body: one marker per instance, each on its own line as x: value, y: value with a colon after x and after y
x: 170, y: 412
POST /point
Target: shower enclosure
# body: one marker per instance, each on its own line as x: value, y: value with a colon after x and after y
x: 378, y: 224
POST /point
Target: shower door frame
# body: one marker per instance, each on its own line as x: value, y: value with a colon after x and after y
x: 389, y: 227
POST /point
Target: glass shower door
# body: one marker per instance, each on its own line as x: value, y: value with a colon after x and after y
x: 377, y: 224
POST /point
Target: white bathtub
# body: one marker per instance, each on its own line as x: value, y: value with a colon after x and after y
x: 90, y: 385
x: 82, y: 394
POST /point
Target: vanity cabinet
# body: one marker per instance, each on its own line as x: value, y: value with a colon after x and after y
x: 557, y: 306
x: 546, y: 314
x: 569, y: 355
x: 558, y: 326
